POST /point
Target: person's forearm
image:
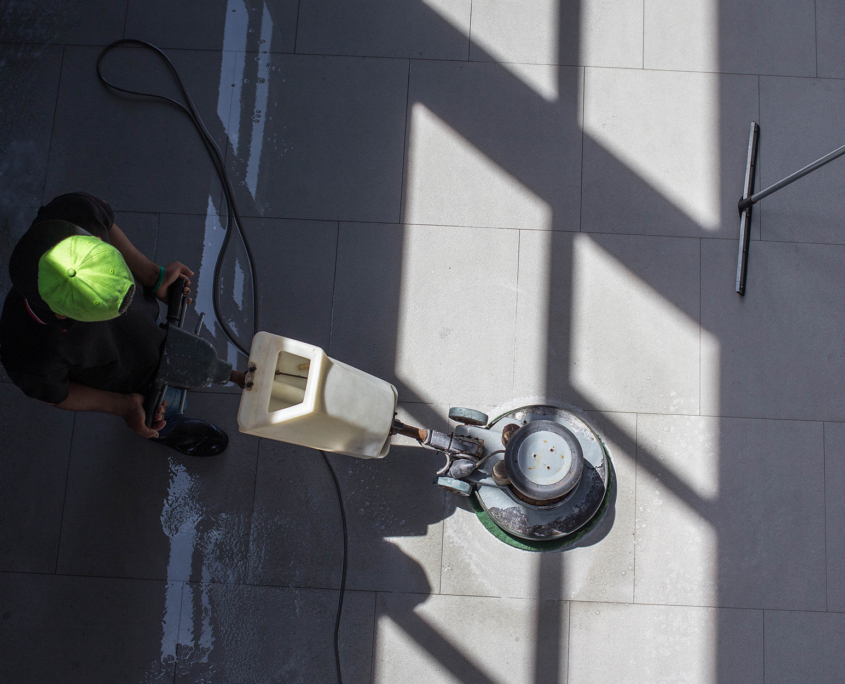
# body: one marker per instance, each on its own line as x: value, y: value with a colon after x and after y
x: 83, y: 398
x: 145, y: 270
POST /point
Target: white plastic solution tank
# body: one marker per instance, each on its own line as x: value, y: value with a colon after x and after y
x: 300, y: 395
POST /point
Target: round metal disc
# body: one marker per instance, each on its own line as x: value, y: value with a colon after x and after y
x: 544, y: 460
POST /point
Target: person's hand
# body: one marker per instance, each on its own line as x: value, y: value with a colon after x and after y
x: 134, y: 416
x: 172, y: 272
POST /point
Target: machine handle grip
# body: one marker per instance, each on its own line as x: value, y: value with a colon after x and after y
x: 152, y: 401
x: 175, y: 295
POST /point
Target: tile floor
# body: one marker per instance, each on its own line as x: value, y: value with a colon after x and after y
x: 484, y: 202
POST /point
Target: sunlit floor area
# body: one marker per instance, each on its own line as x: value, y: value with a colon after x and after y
x: 489, y: 204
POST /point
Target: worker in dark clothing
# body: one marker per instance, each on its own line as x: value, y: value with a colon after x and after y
x: 79, y: 330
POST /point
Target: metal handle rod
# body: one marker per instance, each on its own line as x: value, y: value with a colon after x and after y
x: 745, y: 214
x: 745, y: 203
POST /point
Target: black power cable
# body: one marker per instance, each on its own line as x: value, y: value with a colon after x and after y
x: 233, y: 219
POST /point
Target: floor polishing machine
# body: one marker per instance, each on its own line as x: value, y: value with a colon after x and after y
x: 538, y: 476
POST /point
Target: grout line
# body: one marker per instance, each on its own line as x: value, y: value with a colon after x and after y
x: 296, y: 26
x: 373, y: 646
x: 758, y: 172
x: 816, y: 33
x: 469, y: 35
x: 64, y: 498
x: 568, y: 637
x: 824, y: 503
x: 636, y: 481
x: 516, y: 313
x: 53, y: 128
x: 583, y: 124
x: 252, y: 511
x: 442, y: 543
x: 178, y: 631
x: 643, y: 43
x: 402, y: 192
x: 125, y: 18
x: 334, y: 285
x: 764, y: 645
x: 700, y: 318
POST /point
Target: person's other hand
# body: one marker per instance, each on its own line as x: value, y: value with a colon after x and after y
x: 134, y: 416
x: 172, y: 272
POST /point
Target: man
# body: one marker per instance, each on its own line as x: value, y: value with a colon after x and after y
x: 79, y: 330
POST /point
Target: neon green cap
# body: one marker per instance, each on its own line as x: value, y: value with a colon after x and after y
x: 85, y: 279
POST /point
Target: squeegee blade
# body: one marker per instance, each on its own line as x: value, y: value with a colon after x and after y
x: 745, y: 216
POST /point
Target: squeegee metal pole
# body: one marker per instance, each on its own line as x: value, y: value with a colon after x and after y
x: 745, y: 214
x: 747, y: 202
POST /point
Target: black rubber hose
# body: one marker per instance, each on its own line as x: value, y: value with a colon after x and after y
x: 233, y: 218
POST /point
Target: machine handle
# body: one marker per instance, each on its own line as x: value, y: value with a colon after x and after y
x: 151, y: 402
x: 175, y: 295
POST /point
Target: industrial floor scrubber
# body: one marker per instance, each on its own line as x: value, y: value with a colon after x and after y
x: 538, y: 477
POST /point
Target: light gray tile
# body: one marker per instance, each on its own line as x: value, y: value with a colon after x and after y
x: 33, y: 472
x: 665, y: 152
x: 294, y: 264
x: 801, y: 120
x: 591, y: 32
x: 318, y: 137
x: 84, y: 629
x: 268, y: 634
x: 599, y: 568
x: 830, y: 23
x: 440, y: 639
x: 726, y: 515
x: 393, y: 512
x: 29, y: 81
x: 385, y: 28
x: 162, y: 166
x: 80, y: 22
x: 804, y: 647
x: 408, y: 308
x: 834, y: 487
x: 775, y: 353
x: 488, y: 148
x: 609, y: 322
x: 138, y: 509
x: 644, y: 644
x: 214, y: 25
x: 745, y: 36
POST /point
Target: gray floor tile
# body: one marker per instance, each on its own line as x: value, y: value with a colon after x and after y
x: 801, y: 120
x: 834, y: 486
x: 439, y: 639
x: 609, y: 322
x: 268, y: 634
x: 84, y: 629
x: 141, y: 229
x: 403, y: 304
x: 394, y: 516
x: 757, y: 358
x: 92, y: 22
x: 645, y: 644
x: 590, y: 32
x: 215, y: 25
x: 294, y: 262
x: 318, y: 137
x: 14, y: 222
x: 29, y: 81
x: 724, y: 517
x: 599, y: 568
x: 138, y: 509
x: 36, y: 446
x: 804, y: 647
x: 743, y: 36
x: 660, y: 156
x: 385, y: 28
x: 162, y: 166
x: 484, y: 149
x: 830, y: 23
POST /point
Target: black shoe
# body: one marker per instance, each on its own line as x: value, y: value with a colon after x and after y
x: 195, y: 438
